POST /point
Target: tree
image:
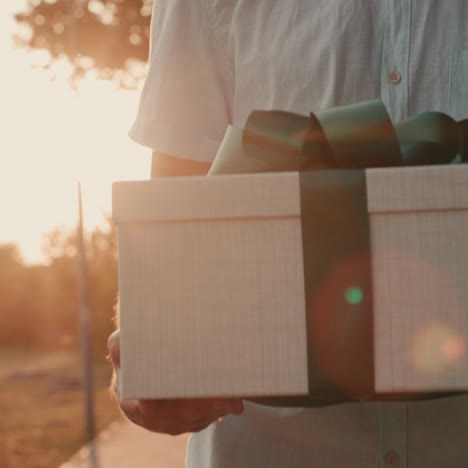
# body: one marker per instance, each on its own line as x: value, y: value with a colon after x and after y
x: 101, y: 255
x: 11, y: 290
x: 110, y: 36
x: 39, y: 305
x: 102, y: 270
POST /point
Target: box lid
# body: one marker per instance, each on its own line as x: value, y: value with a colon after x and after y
x: 268, y: 195
x: 425, y: 188
x: 207, y: 198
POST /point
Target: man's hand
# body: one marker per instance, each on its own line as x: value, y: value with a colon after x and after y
x: 172, y: 417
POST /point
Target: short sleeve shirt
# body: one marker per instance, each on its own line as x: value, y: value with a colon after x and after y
x: 212, y: 62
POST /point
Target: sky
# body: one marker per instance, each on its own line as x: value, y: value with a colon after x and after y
x: 52, y: 137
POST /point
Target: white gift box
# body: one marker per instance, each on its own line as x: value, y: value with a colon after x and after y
x: 212, y: 286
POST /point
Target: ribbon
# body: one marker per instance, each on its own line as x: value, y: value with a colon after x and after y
x: 354, y: 136
x: 338, y: 289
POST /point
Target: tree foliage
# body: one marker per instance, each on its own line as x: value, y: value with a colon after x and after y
x: 107, y: 35
x: 39, y: 305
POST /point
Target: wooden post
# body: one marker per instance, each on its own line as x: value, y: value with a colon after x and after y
x: 85, y: 326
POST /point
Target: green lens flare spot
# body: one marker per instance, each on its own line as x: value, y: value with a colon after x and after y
x: 354, y: 295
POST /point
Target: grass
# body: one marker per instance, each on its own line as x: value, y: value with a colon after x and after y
x: 42, y: 410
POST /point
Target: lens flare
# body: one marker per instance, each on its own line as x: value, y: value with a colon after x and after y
x: 437, y: 348
x: 354, y: 295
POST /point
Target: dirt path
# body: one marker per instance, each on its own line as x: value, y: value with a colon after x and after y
x: 27, y: 362
x: 42, y: 406
x: 125, y: 445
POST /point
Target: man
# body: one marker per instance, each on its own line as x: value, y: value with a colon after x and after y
x: 211, y: 64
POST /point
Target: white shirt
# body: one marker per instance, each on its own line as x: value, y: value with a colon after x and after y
x: 214, y: 61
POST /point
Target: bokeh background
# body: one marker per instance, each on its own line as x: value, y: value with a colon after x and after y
x: 70, y: 76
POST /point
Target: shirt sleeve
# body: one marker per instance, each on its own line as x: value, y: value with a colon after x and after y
x: 186, y: 101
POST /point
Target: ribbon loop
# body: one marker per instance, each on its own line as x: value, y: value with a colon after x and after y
x: 356, y: 136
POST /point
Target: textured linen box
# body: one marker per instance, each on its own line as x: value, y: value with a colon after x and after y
x: 215, y: 300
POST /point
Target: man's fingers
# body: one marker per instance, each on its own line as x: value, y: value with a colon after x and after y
x: 113, y: 345
x: 177, y: 422
x: 132, y: 410
x: 178, y: 416
x: 191, y: 409
x: 152, y: 418
x: 177, y: 429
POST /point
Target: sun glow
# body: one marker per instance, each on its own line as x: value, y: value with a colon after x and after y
x: 52, y: 137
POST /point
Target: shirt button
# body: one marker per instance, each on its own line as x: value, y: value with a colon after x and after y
x: 392, y: 458
x: 394, y: 77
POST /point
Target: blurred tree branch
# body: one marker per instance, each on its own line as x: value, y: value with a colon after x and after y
x: 110, y: 36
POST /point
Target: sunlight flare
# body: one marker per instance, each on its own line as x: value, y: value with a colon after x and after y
x: 53, y: 137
